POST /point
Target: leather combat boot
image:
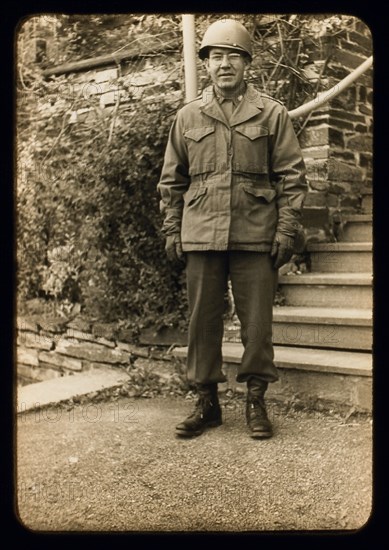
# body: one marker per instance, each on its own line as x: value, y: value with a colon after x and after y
x: 256, y: 415
x: 207, y: 413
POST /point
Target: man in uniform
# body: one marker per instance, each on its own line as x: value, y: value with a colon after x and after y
x: 232, y: 189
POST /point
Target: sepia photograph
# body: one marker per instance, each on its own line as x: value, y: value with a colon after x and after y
x: 194, y: 265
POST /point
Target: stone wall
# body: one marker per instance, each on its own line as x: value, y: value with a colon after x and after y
x: 53, y: 347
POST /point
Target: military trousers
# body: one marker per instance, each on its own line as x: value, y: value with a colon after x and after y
x: 253, y: 283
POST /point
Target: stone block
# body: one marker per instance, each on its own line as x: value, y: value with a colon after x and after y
x: 342, y: 124
x: 336, y: 137
x: 362, y: 143
x: 344, y: 155
x: 339, y: 187
x: 316, y: 153
x: 315, y: 199
x: 346, y: 115
x: 93, y: 352
x: 132, y: 349
x: 61, y: 361
x: 88, y: 337
x: 317, y: 170
x: 24, y: 323
x: 50, y: 337
x: 340, y: 171
x: 27, y: 356
x: 318, y: 185
x: 314, y: 136
x: 365, y: 109
x: 35, y: 340
x: 332, y: 200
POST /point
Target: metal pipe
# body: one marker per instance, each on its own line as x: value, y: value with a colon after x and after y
x: 190, y: 68
x: 323, y: 97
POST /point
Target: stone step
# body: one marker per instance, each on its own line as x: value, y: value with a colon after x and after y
x: 342, y: 378
x: 357, y: 228
x: 340, y: 257
x: 336, y: 328
x: 327, y: 289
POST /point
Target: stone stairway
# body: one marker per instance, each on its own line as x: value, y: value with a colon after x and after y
x: 323, y: 335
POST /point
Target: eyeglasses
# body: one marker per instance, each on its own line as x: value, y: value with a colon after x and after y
x: 231, y: 57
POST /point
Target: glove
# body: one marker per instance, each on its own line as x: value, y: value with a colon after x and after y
x: 282, y: 250
x: 173, y: 249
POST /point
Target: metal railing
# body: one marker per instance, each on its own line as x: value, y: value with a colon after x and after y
x: 189, y: 38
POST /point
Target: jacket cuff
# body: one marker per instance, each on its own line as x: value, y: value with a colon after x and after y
x: 172, y: 221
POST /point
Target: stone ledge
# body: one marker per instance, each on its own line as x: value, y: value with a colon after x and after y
x: 349, y: 279
x: 304, y: 359
x: 92, y: 352
x: 61, y: 389
x: 316, y: 390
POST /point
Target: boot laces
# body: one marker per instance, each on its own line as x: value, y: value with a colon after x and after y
x: 257, y: 407
x: 202, y: 403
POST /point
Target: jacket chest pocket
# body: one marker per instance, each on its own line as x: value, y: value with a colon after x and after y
x: 251, y: 149
x: 201, y: 149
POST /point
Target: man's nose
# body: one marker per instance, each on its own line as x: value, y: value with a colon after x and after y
x: 225, y: 61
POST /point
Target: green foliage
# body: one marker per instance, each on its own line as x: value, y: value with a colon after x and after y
x: 88, y: 216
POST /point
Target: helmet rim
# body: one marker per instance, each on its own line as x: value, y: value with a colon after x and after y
x: 227, y: 33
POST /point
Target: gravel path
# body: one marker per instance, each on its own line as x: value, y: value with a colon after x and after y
x: 117, y: 466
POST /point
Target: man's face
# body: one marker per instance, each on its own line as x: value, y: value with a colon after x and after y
x: 226, y: 68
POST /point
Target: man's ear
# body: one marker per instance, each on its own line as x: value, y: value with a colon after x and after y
x: 247, y: 62
x: 206, y: 64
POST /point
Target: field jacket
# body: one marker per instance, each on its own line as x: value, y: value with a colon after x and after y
x: 231, y: 185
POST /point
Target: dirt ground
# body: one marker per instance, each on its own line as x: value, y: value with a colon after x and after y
x: 117, y: 466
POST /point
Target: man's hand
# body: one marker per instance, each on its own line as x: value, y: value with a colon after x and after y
x: 282, y: 250
x: 173, y: 249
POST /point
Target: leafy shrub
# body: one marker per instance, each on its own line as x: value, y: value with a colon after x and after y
x: 89, y: 220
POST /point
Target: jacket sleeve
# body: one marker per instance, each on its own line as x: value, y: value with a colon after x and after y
x: 287, y: 172
x: 174, y: 180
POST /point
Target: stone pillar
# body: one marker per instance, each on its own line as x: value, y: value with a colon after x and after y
x: 337, y: 139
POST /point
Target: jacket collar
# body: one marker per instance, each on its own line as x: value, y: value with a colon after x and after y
x: 249, y: 107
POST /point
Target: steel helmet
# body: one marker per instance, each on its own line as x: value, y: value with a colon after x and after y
x: 226, y: 33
